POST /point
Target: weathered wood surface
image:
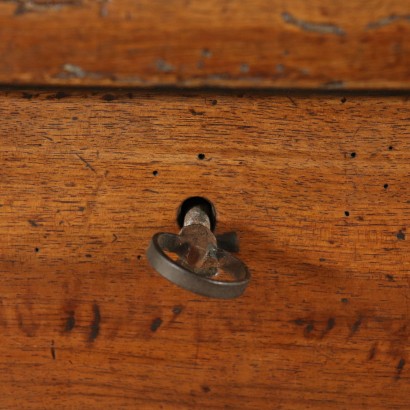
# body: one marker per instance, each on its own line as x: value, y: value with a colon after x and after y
x: 248, y: 43
x: 86, y: 323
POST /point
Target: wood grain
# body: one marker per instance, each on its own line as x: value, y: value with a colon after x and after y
x: 317, y: 187
x: 247, y: 43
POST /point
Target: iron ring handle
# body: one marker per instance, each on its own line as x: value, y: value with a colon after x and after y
x: 189, y: 280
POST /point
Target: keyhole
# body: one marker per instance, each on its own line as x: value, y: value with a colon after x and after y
x: 192, y: 201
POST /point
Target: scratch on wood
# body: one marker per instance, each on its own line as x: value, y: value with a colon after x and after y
x: 74, y: 70
x: 292, y: 101
x: 164, y: 66
x: 26, y: 6
x: 70, y: 71
x: 87, y: 164
x: 384, y: 21
x: 323, y: 28
x: 335, y: 84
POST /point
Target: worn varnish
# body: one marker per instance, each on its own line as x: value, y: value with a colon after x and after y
x: 317, y: 187
x: 249, y: 43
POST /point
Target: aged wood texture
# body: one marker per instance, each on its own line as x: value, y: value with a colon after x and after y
x: 249, y: 43
x: 317, y: 188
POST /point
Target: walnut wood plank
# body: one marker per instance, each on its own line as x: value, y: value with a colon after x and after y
x: 317, y: 189
x: 251, y: 43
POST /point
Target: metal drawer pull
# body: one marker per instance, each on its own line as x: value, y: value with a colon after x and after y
x: 197, y: 261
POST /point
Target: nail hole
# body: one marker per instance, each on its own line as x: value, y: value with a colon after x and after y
x: 201, y: 156
x: 343, y: 100
x: 192, y: 201
x: 391, y: 148
x: 214, y: 102
x: 347, y: 213
x: 385, y: 186
x: 353, y: 155
x: 139, y: 257
x: 155, y: 173
x: 36, y: 250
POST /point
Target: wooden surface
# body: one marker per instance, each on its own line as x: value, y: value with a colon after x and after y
x: 317, y: 188
x: 247, y: 43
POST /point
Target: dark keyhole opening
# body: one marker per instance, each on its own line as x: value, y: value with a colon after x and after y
x: 192, y: 201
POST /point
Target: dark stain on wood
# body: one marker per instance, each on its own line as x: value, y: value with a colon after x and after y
x: 330, y: 324
x: 356, y: 326
x: 308, y: 329
x: 53, y: 350
x: 70, y: 321
x: 194, y: 112
x: 390, y: 277
x: 372, y: 352
x: 401, y: 236
x: 58, y: 96
x: 32, y: 222
x: 156, y: 323
x: 27, y: 96
x: 95, y: 324
x: 205, y: 388
x: 399, y: 368
x: 177, y: 310
x: 109, y: 97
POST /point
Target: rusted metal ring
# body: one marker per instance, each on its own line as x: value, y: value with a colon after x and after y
x: 189, y: 280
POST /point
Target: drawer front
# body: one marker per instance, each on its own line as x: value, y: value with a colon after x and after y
x: 315, y: 186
